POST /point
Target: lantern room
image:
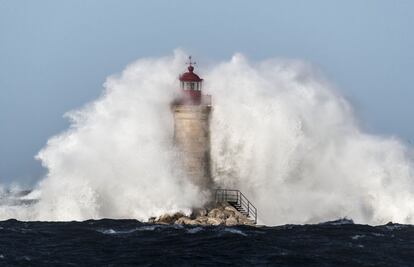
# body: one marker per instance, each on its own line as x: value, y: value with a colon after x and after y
x: 191, y: 85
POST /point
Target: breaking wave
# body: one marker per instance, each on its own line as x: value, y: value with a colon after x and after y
x: 280, y: 133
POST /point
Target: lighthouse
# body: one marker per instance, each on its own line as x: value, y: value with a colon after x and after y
x: 191, y: 112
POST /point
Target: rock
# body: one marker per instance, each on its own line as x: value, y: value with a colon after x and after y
x: 223, y: 215
x: 213, y: 213
x: 202, y: 220
x: 218, y: 214
x: 168, y: 218
x: 244, y: 220
x: 229, y: 213
x: 230, y: 209
x: 238, y: 215
x: 214, y: 221
x: 199, y: 212
x: 187, y: 221
x: 231, y: 221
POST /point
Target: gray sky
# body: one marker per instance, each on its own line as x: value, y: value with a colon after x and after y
x: 55, y: 55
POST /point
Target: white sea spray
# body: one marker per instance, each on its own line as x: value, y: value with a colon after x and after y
x: 280, y: 133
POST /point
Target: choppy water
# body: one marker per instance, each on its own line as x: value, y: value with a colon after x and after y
x: 131, y: 243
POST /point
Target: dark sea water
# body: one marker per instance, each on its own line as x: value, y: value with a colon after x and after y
x: 131, y: 243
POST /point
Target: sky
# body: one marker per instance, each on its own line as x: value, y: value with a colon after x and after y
x: 55, y: 56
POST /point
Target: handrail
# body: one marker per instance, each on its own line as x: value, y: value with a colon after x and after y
x: 237, y: 197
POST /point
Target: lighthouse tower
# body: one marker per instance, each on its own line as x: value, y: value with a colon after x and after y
x: 191, y: 128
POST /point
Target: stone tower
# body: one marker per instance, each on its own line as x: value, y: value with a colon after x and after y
x: 191, y: 128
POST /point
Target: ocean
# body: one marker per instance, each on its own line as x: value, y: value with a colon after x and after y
x: 132, y: 243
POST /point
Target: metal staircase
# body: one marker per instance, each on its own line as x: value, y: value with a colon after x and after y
x: 239, y: 201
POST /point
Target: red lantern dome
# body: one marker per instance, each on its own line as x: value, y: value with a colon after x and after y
x: 190, y: 76
x: 191, y: 85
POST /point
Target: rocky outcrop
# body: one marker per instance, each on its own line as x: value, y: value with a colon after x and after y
x: 218, y: 214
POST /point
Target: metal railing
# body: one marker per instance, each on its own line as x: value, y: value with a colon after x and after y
x: 237, y: 199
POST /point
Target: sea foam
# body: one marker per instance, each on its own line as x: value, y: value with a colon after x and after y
x: 280, y: 133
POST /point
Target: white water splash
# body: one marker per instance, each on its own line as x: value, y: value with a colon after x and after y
x: 280, y: 134
x: 283, y: 136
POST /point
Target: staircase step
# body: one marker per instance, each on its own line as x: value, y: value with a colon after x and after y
x: 237, y: 200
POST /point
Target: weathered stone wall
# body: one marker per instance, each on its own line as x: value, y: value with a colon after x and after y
x: 192, y: 138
